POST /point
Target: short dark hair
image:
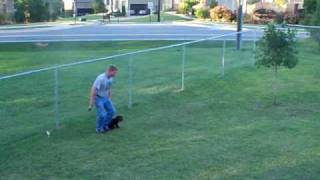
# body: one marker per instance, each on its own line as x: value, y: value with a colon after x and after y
x: 113, y: 68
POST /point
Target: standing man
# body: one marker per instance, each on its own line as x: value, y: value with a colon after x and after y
x: 101, y: 96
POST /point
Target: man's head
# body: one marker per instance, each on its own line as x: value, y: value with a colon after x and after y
x: 111, y: 71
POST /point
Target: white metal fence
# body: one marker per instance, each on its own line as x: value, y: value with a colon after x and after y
x: 129, y: 55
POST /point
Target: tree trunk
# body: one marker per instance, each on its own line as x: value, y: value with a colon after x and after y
x: 275, y: 71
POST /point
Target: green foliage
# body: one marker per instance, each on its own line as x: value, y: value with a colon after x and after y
x: 186, y: 5
x: 98, y: 6
x: 312, y: 12
x: 21, y: 13
x: 277, y: 48
x: 202, y: 13
x: 310, y: 6
x: 123, y: 11
x: 2, y: 19
x: 218, y: 128
x: 221, y: 14
x: 280, y: 3
x: 37, y: 10
x: 312, y: 17
x: 253, y: 1
x: 213, y: 4
x: 56, y: 9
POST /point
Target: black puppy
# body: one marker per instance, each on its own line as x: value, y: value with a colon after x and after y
x: 115, y: 122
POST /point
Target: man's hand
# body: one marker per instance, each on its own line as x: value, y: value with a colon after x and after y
x: 89, y: 107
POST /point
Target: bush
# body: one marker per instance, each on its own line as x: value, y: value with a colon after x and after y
x: 279, y: 18
x: 21, y: 13
x: 98, y: 6
x: 247, y: 18
x: 291, y: 19
x: 123, y: 11
x: 222, y: 14
x: 183, y: 8
x: 202, y: 13
x: 186, y: 5
x: 2, y: 19
x: 312, y: 17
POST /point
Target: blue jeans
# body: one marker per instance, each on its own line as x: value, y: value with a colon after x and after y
x: 105, y: 112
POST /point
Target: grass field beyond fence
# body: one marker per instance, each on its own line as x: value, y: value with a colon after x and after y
x: 217, y: 128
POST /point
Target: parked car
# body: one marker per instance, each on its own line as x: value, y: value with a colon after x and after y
x: 142, y: 12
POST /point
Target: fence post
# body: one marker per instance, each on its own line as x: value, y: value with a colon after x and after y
x: 183, y: 66
x: 223, y: 58
x: 56, y: 98
x: 254, y: 47
x: 130, y: 82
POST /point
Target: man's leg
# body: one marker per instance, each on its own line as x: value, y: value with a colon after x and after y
x: 101, y: 114
x: 110, y: 111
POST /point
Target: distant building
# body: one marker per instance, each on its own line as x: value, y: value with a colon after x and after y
x: 132, y: 7
x: 291, y: 6
x: 83, y: 6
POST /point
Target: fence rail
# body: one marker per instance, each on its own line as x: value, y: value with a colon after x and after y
x: 116, y: 56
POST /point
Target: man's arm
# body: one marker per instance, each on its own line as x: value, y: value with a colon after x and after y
x: 92, y: 98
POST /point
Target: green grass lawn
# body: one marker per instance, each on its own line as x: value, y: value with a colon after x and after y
x: 135, y: 19
x: 154, y: 17
x: 217, y: 128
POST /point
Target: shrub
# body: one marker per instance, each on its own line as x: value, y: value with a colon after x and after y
x: 312, y: 17
x: 183, y: 8
x: 279, y: 18
x: 123, y: 11
x: 202, y: 13
x: 22, y: 13
x: 2, y: 19
x: 222, y: 14
x: 291, y: 19
x: 98, y: 6
x: 186, y: 5
x: 247, y: 18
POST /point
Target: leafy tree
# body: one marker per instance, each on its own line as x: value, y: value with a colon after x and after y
x: 21, y: 13
x: 186, y: 5
x: 98, y: 6
x: 277, y: 48
x: 312, y: 17
x: 38, y: 10
x: 55, y: 9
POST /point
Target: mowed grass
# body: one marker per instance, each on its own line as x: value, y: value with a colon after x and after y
x: 217, y: 128
x: 165, y: 17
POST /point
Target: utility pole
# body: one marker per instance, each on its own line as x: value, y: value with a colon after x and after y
x: 75, y: 11
x: 239, y: 25
x: 159, y: 4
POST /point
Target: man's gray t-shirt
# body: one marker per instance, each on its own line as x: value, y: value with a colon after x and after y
x: 103, y: 85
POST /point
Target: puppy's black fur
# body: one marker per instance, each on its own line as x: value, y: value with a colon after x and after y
x: 115, y: 122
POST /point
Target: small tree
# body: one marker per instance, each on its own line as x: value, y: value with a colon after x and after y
x: 276, y: 49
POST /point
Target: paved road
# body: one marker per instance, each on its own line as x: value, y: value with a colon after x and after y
x: 117, y: 32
